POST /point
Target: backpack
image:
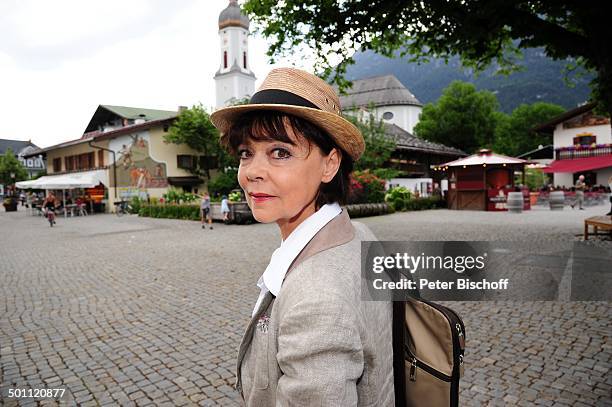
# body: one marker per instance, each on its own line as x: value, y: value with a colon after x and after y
x: 428, y: 347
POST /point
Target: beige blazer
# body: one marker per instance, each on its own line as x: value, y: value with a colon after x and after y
x: 319, y: 344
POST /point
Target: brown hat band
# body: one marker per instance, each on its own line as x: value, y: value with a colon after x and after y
x: 279, y: 97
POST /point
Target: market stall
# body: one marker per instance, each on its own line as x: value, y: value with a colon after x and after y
x: 483, y: 181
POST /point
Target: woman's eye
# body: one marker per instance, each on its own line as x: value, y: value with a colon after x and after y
x: 280, y: 153
x: 242, y: 154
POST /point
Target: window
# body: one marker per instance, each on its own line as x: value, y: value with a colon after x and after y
x: 387, y: 115
x: 585, y: 140
x: 83, y: 161
x: 185, y: 162
x: 57, y: 164
x: 224, y: 59
x: 100, y: 158
x: 72, y: 165
x: 244, y: 60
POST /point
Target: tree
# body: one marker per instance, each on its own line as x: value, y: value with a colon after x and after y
x: 194, y: 128
x: 378, y: 146
x: 481, y: 32
x: 11, y: 169
x: 513, y: 133
x: 462, y: 117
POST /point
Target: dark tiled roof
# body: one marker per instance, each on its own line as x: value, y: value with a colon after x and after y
x: 15, y: 145
x: 406, y: 141
x: 380, y: 91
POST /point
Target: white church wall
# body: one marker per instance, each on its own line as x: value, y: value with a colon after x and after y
x: 404, y: 116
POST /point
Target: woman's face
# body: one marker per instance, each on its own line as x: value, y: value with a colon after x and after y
x: 281, y: 180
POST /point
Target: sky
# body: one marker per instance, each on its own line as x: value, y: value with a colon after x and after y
x: 60, y: 59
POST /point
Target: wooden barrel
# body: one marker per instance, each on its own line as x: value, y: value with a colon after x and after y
x: 556, y: 200
x: 515, y: 202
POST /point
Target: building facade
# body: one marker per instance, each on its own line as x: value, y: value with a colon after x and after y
x: 388, y: 100
x: 582, y: 143
x: 128, y: 158
x: 234, y: 79
x: 33, y: 164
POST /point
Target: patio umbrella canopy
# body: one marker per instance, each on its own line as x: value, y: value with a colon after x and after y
x: 87, y: 179
x: 484, y: 157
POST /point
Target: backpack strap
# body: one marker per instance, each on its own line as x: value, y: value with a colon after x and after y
x: 399, y: 368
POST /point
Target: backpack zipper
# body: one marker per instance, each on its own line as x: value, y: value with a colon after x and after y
x: 414, y: 363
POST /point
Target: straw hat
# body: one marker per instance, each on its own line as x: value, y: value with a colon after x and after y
x: 301, y: 94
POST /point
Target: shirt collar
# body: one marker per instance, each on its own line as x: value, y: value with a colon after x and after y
x: 291, y: 247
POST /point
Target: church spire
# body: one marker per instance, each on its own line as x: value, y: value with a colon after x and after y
x: 234, y: 80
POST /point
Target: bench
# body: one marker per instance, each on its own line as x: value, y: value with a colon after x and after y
x: 597, y: 222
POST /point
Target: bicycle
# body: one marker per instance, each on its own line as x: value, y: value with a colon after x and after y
x: 50, y: 215
x: 122, y: 207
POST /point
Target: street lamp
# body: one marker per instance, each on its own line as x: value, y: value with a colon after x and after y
x: 13, y: 182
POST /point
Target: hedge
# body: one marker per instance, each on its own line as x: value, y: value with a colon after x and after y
x: 188, y: 212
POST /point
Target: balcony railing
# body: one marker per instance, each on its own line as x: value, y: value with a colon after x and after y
x: 569, y: 153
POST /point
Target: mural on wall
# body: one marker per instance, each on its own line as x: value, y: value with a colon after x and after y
x: 136, y: 170
x: 585, y: 120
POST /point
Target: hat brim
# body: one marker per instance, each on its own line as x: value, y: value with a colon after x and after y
x: 345, y: 134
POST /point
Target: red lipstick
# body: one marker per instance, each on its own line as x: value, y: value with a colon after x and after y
x: 259, y: 197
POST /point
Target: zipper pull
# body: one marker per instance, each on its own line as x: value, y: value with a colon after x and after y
x: 459, y: 331
x: 413, y: 370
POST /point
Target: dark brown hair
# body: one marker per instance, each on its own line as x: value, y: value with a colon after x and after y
x: 272, y: 125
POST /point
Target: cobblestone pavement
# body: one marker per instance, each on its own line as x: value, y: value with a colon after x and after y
x: 133, y: 311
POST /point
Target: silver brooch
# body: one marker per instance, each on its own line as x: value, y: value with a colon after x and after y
x: 262, y: 323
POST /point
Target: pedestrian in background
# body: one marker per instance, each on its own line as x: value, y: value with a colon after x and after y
x: 225, y: 210
x: 580, y: 187
x: 205, y: 211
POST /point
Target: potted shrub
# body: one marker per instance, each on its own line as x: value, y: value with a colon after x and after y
x: 10, y: 203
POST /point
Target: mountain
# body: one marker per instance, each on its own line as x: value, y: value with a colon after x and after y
x: 540, y: 80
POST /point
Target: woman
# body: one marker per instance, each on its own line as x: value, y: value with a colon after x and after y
x: 205, y: 211
x: 225, y: 210
x: 311, y: 339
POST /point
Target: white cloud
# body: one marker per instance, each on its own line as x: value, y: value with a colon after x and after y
x: 60, y: 59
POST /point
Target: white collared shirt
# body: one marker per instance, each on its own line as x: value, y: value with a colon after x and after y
x: 272, y: 278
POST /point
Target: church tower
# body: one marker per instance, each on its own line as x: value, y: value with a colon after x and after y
x: 234, y: 79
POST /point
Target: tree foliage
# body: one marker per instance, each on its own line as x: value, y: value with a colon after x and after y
x: 9, y: 164
x: 481, y: 32
x: 378, y: 146
x: 462, y: 117
x: 513, y: 133
x: 194, y: 128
